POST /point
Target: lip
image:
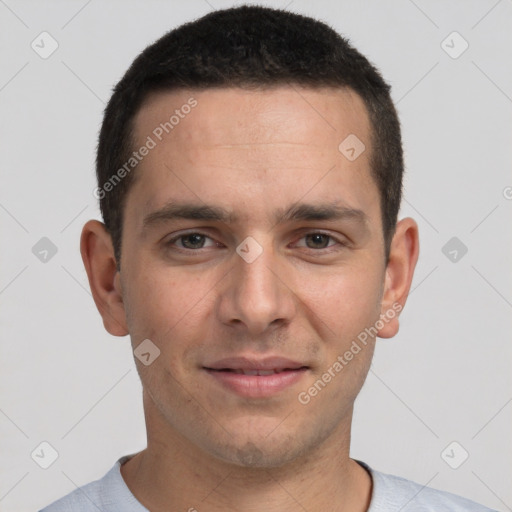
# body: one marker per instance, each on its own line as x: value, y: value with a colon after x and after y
x: 256, y: 386
x: 247, y: 363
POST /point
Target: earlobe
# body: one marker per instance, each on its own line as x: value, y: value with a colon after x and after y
x: 99, y: 261
x: 403, y: 256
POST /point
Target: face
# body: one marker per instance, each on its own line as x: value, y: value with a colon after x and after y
x: 252, y: 243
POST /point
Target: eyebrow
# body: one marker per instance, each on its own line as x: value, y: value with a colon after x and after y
x: 295, y: 212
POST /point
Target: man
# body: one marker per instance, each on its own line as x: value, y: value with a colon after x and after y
x: 249, y: 175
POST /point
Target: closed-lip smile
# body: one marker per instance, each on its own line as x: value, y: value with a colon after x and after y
x: 256, y: 378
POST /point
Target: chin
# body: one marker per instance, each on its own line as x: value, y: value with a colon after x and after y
x: 269, y: 450
x: 254, y: 455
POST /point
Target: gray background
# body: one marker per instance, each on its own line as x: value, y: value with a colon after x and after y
x: 446, y: 377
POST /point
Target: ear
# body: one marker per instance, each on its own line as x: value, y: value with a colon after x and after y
x: 403, y: 256
x: 104, y: 279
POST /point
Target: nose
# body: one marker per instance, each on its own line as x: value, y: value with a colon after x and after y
x: 257, y: 295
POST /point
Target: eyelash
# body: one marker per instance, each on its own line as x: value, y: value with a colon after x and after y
x: 327, y: 249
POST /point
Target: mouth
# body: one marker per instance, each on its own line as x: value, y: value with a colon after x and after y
x: 256, y: 379
x: 241, y: 371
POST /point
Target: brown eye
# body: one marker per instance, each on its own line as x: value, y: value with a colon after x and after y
x: 321, y: 243
x: 192, y: 241
x: 318, y: 241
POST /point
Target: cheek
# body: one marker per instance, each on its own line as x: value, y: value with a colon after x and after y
x: 348, y: 306
x: 346, y: 301
x: 161, y: 296
x: 169, y: 306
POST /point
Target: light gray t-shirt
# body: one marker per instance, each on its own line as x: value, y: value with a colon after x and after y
x: 390, y: 493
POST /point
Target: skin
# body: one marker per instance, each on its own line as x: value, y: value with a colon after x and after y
x: 252, y: 153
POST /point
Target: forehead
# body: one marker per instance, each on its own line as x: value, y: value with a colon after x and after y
x: 252, y: 142
x: 241, y: 116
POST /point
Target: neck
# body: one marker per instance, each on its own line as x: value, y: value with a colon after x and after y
x: 172, y: 473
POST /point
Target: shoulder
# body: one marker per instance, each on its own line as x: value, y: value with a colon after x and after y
x: 108, y: 494
x: 392, y: 492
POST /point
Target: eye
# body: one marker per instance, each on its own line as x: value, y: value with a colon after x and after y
x: 191, y: 241
x: 319, y: 240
